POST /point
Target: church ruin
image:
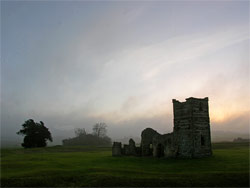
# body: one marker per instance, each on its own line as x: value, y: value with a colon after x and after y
x: 190, y: 138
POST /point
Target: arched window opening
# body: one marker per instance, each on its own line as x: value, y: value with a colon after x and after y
x: 150, y: 149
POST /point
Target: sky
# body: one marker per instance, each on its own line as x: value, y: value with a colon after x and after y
x: 72, y: 64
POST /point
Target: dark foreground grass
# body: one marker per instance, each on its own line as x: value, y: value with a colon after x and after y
x: 92, y: 166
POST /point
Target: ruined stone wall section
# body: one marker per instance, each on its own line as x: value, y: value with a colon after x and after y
x: 147, y: 136
x: 167, y: 143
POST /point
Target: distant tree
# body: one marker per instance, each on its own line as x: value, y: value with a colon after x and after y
x: 97, y: 138
x: 87, y: 140
x: 100, y: 129
x: 36, y: 134
x: 80, y: 132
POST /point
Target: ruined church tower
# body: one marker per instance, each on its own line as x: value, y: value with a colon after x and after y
x: 192, y: 136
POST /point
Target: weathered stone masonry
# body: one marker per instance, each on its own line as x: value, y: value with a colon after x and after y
x: 192, y: 128
x: 190, y: 138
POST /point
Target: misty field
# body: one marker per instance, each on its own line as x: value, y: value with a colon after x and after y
x: 94, y: 166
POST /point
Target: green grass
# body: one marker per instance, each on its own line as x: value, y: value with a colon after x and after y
x: 93, y: 166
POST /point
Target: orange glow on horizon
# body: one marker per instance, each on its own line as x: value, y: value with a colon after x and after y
x: 222, y: 115
x: 218, y: 116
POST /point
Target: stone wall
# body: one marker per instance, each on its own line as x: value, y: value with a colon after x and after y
x: 130, y: 149
x: 117, y: 149
x: 163, y: 142
x: 127, y: 149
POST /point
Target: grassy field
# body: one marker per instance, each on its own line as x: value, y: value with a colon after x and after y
x: 88, y: 166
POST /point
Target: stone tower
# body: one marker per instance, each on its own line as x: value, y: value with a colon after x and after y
x: 192, y: 128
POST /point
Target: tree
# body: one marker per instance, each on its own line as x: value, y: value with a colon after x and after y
x: 36, y: 134
x: 97, y: 138
x: 80, y: 132
x: 100, y: 129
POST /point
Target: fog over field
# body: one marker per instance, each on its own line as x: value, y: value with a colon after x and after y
x: 73, y: 64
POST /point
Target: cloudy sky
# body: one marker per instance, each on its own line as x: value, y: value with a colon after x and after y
x: 74, y: 63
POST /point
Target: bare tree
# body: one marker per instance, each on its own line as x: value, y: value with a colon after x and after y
x: 79, y: 132
x: 100, y: 129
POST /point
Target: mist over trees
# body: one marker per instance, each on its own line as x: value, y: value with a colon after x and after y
x: 97, y: 138
x: 79, y: 132
x: 36, y: 134
x: 100, y: 129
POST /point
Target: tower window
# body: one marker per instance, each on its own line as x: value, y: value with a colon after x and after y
x: 202, y: 141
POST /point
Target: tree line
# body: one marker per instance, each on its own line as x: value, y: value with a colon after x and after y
x: 37, y: 135
x: 97, y: 138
